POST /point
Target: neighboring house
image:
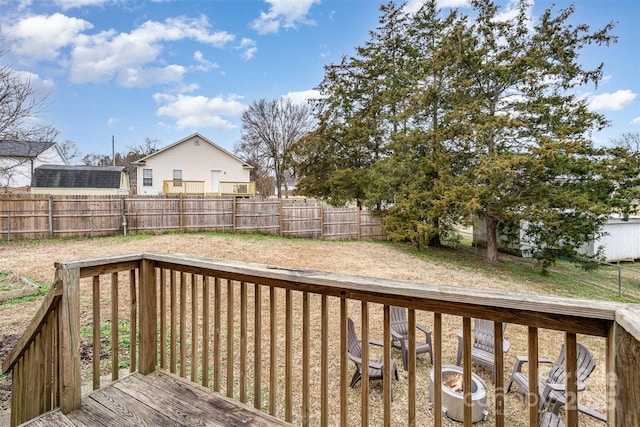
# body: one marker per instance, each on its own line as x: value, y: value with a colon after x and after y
x: 80, y: 180
x: 193, y: 165
x: 18, y: 160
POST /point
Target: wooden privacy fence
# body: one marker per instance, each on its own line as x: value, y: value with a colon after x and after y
x: 41, y: 216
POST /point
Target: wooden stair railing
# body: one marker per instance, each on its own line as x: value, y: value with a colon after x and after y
x: 45, y: 362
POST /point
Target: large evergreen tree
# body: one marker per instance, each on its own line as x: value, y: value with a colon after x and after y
x: 359, y: 112
x: 533, y: 163
x: 449, y: 118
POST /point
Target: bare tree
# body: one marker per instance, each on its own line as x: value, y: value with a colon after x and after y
x: 148, y: 147
x: 269, y: 130
x: 265, y: 182
x: 630, y: 141
x: 20, y: 105
x: 70, y: 150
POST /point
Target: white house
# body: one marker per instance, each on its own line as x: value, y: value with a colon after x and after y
x: 18, y: 160
x: 193, y: 165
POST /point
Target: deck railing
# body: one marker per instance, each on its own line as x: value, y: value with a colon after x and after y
x: 276, y: 338
x: 233, y: 188
x: 178, y: 186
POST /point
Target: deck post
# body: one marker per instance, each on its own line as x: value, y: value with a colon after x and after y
x: 69, y: 346
x: 148, y: 318
x: 627, y: 365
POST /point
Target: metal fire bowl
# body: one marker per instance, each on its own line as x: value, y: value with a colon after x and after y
x: 453, y: 402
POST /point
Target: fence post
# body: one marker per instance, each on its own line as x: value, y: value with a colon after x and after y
x: 619, y: 280
x: 50, y: 217
x: 234, y: 212
x: 281, y: 209
x: 358, y: 223
x: 9, y: 226
x: 321, y: 222
x: 180, y: 207
x: 92, y: 224
x: 123, y: 213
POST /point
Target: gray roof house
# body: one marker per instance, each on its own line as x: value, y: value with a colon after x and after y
x: 18, y: 159
x: 80, y: 180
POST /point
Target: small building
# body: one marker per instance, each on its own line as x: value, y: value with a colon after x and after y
x: 620, y: 242
x: 194, y: 165
x: 18, y: 160
x: 80, y: 180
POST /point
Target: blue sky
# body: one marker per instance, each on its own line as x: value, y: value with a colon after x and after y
x: 166, y: 69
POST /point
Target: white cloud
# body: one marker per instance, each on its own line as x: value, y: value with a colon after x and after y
x: 42, y: 86
x: 68, y: 4
x: 127, y: 56
x: 511, y: 12
x: 195, y: 112
x: 146, y: 77
x: 454, y: 3
x: 41, y: 37
x: 203, y: 64
x: 249, y: 48
x: 636, y: 121
x: 303, y: 96
x: 285, y: 13
x: 611, y: 101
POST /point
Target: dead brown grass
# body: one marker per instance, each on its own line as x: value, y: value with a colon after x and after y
x: 35, y: 261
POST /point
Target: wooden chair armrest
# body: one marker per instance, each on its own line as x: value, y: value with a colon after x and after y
x: 375, y: 365
x: 424, y: 329
x: 561, y: 386
x: 376, y: 342
x: 521, y: 360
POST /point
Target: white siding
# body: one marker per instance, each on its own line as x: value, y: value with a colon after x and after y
x: 196, y: 163
x: 18, y: 171
x: 621, y: 243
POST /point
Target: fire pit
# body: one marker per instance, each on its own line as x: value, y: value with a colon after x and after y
x: 453, y: 399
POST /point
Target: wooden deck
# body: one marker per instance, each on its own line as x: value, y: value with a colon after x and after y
x: 157, y: 399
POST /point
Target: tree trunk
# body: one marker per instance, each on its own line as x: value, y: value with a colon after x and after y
x: 492, y: 237
x: 279, y: 186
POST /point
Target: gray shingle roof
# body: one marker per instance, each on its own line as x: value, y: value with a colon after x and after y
x: 23, y: 148
x: 60, y: 176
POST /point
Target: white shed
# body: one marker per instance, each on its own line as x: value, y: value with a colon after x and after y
x: 620, y: 243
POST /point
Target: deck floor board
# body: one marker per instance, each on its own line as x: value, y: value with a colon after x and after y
x: 159, y: 398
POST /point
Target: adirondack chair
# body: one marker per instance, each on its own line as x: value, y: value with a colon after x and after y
x: 551, y: 420
x: 400, y: 335
x: 354, y: 348
x: 483, y: 347
x: 551, y: 389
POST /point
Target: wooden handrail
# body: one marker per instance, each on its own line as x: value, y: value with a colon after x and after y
x: 49, y: 304
x: 163, y: 276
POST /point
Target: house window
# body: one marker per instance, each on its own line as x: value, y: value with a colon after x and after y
x: 177, y: 177
x: 147, y: 177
